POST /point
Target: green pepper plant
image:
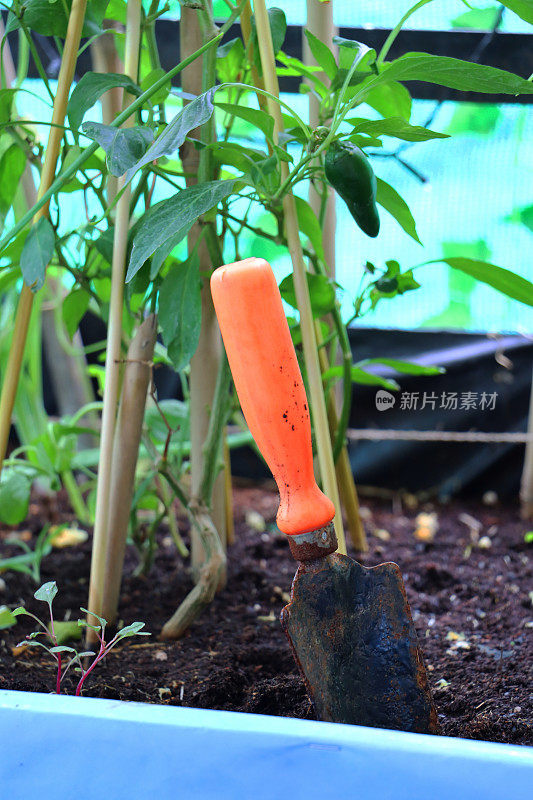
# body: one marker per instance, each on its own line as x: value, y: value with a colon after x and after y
x: 179, y: 182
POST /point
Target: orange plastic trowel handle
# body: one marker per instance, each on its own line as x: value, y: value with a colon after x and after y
x: 270, y: 387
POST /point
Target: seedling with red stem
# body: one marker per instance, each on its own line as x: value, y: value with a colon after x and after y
x: 46, y: 594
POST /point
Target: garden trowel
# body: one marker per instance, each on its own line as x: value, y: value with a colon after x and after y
x: 349, y: 626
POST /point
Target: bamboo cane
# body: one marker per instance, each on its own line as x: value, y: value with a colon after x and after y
x: 114, y: 338
x: 320, y: 23
x: 318, y: 406
x: 22, y: 319
x: 205, y: 362
x: 128, y: 431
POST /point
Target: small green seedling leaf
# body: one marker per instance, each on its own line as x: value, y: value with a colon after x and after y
x: 46, y: 592
x: 62, y: 649
x: 132, y: 630
x: 7, y: 618
x: 528, y: 537
x: 101, y: 620
x: 28, y: 643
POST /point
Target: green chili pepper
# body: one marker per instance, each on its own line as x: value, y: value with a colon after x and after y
x: 348, y: 170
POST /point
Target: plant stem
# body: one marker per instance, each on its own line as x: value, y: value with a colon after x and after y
x: 213, y: 447
x: 317, y: 402
x: 22, y: 319
x: 99, y: 656
x: 397, y: 28
x: 74, y: 495
x: 113, y: 352
x: 228, y: 489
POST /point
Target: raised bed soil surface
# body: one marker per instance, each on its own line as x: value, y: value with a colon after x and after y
x: 472, y: 606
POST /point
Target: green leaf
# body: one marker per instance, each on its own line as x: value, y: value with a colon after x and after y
x: 390, y: 100
x: 101, y: 620
x: 391, y: 201
x: 322, y: 54
x: 230, y: 61
x: 501, y: 279
x: 132, y: 630
x: 237, y: 156
x: 310, y: 226
x: 369, y: 379
x: 14, y: 497
x: 173, y: 218
x: 123, y: 147
x: 180, y: 311
x: 177, y: 415
x: 278, y: 28
x: 161, y: 254
x: 7, y: 618
x: 528, y: 537
x: 480, y: 19
x: 191, y: 116
x: 523, y: 8
x: 12, y: 165
x: 266, y: 175
x: 351, y: 51
x: 405, y: 367
x: 455, y: 74
x: 397, y: 127
x: 89, y: 89
x: 46, y: 592
x: 321, y: 292
x: 6, y: 104
x: 50, y: 18
x: 74, y: 307
x: 254, y: 116
x: 37, y: 252
x: 359, y: 375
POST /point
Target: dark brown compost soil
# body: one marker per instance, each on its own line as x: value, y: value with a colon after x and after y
x: 472, y: 606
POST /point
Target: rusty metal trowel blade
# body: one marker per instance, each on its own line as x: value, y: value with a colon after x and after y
x: 355, y: 643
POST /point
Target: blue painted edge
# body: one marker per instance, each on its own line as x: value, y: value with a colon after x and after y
x: 320, y: 732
